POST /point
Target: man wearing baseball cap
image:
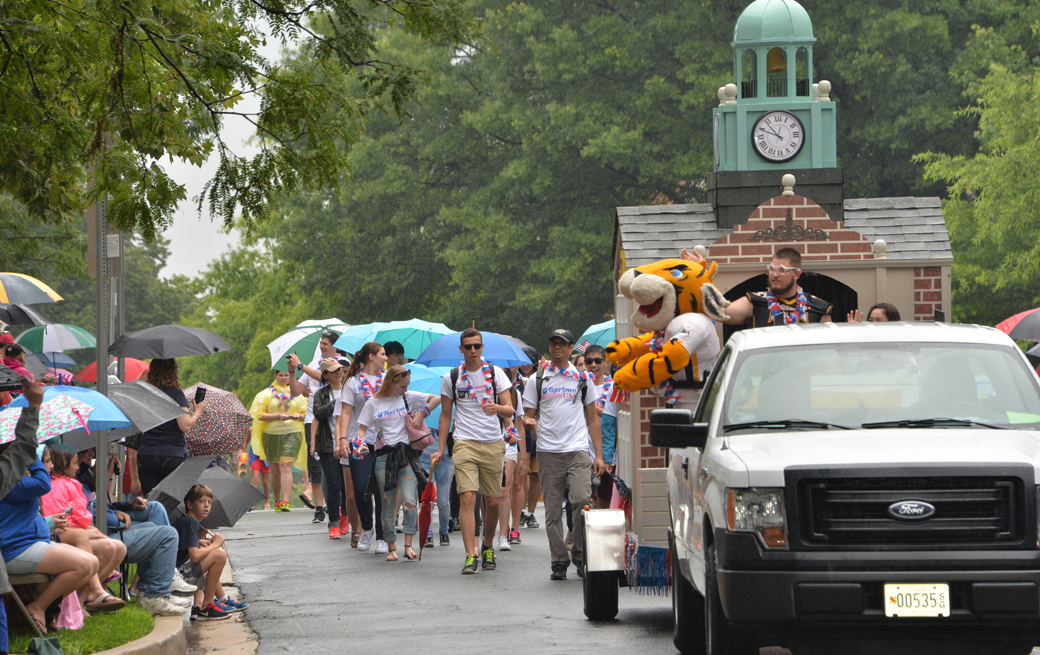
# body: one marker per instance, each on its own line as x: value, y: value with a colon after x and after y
x: 560, y: 407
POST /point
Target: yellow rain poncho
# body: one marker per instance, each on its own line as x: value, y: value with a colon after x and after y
x: 279, y: 441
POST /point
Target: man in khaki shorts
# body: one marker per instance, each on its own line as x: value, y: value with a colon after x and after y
x: 469, y: 394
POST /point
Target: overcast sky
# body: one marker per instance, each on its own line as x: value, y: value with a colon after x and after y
x: 197, y: 240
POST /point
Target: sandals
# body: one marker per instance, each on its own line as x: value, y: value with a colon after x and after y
x: 40, y: 625
x: 410, y: 555
x: 392, y: 556
x: 105, y: 603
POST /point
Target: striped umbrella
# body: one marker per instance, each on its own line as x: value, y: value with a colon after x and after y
x: 56, y: 337
x: 15, y: 287
x: 302, y: 340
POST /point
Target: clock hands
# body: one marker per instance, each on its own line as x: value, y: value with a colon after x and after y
x: 776, y: 134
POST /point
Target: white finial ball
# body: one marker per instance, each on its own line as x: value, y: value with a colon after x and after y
x: 722, y: 93
x: 701, y: 250
x: 788, y: 183
x: 879, y: 248
x: 731, y: 93
x: 825, y: 87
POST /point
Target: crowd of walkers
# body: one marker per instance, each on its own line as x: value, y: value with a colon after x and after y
x: 506, y: 438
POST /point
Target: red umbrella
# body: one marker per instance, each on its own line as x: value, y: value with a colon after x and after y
x: 135, y: 368
x: 223, y: 428
x: 1029, y: 318
x: 429, y: 499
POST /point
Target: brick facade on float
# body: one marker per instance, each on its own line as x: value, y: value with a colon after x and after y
x: 927, y: 292
x: 840, y: 243
x: 649, y: 456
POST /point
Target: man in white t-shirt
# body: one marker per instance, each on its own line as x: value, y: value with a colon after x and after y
x: 479, y: 400
x: 308, y: 385
x: 560, y: 405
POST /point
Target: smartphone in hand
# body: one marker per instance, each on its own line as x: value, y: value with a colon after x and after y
x: 200, y: 394
x: 66, y: 512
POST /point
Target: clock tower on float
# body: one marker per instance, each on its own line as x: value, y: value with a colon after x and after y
x: 773, y: 117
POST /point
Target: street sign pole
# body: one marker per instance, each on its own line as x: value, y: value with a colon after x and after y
x: 102, y: 300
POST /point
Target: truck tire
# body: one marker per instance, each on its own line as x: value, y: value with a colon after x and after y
x: 601, y: 595
x: 687, y: 613
x: 721, y: 637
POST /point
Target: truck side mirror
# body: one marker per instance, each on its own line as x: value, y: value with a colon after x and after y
x: 674, y: 428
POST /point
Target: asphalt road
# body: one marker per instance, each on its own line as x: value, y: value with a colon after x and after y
x: 307, y: 593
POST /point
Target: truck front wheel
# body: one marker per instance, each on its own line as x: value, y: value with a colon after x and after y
x: 721, y: 636
x: 601, y: 595
x: 687, y: 613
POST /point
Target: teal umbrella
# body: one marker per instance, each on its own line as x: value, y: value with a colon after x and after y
x: 302, y: 340
x: 428, y: 380
x: 56, y: 337
x: 600, y: 334
x: 415, y: 335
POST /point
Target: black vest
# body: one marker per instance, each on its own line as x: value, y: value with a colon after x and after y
x: 761, y: 316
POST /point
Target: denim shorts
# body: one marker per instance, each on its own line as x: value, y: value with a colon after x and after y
x: 29, y: 559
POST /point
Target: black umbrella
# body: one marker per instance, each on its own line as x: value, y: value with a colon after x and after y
x: 35, y: 366
x: 9, y: 380
x: 18, y: 314
x: 171, y: 491
x: 82, y: 440
x: 145, y: 405
x: 232, y: 498
x: 167, y: 342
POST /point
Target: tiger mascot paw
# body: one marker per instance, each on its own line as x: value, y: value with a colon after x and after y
x: 625, y: 350
x: 651, y: 369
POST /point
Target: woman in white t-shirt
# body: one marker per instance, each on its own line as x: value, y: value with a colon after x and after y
x: 512, y: 500
x: 388, y: 412
x: 364, y: 379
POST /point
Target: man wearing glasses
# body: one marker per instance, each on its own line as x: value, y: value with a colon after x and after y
x: 479, y: 394
x: 566, y: 420
x: 782, y: 302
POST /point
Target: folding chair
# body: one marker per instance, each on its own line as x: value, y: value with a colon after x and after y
x: 26, y: 581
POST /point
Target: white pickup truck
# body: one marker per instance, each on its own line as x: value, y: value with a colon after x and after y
x: 846, y: 488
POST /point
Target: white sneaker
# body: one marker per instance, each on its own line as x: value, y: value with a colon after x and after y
x: 182, y: 602
x: 365, y: 542
x: 381, y: 548
x: 503, y: 543
x: 182, y: 587
x: 161, y: 606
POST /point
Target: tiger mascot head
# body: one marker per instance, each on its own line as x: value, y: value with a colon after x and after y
x: 671, y: 287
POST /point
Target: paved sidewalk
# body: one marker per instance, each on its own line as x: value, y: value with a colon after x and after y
x: 308, y: 593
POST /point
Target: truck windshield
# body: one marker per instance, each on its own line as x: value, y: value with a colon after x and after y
x: 881, y: 385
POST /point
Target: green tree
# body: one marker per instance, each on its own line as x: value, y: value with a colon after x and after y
x: 993, y: 205
x: 127, y: 84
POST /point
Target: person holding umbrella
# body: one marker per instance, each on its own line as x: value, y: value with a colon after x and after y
x: 163, y: 448
x: 364, y: 380
x: 278, y: 434
x: 397, y: 467
x: 340, y: 496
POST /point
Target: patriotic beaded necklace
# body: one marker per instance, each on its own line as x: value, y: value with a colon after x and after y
x: 367, y: 388
x: 571, y: 373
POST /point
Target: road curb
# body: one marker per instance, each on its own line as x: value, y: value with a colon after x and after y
x: 166, y: 638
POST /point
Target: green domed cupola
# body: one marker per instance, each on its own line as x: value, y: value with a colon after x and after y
x: 773, y: 116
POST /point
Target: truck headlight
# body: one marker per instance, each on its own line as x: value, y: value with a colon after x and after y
x: 758, y: 510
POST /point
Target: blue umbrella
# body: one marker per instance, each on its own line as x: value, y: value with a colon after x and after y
x: 498, y: 350
x: 415, y: 335
x: 428, y: 380
x: 105, y: 415
x: 600, y: 334
x: 56, y: 359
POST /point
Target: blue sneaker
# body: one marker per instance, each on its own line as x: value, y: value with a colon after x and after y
x: 231, y: 606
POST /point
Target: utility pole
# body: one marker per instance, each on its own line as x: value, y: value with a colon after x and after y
x: 98, y: 219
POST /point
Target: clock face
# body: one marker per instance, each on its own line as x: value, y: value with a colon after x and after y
x: 718, y: 143
x: 778, y: 135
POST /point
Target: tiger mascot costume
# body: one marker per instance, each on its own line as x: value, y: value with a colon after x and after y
x: 677, y: 303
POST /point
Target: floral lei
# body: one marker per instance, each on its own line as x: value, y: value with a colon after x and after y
x: 571, y: 373
x: 489, y: 390
x: 801, y: 309
x: 280, y: 397
x: 366, y: 386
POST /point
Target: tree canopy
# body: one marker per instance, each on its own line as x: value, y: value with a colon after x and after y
x: 104, y: 93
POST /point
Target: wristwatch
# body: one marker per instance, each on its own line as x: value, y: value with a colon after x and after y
x: 299, y: 367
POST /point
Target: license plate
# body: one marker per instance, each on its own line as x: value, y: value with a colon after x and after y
x: 917, y: 600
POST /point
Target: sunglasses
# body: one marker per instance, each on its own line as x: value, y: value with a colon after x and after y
x: 593, y: 360
x: 472, y: 346
x: 781, y: 269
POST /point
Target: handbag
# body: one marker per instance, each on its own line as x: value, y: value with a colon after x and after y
x: 420, y: 437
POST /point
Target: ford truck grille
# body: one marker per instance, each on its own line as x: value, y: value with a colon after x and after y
x: 969, y: 512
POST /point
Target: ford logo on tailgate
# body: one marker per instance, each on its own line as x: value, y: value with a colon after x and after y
x: 911, y: 509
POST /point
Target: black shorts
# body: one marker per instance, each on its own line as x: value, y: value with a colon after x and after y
x: 313, y: 465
